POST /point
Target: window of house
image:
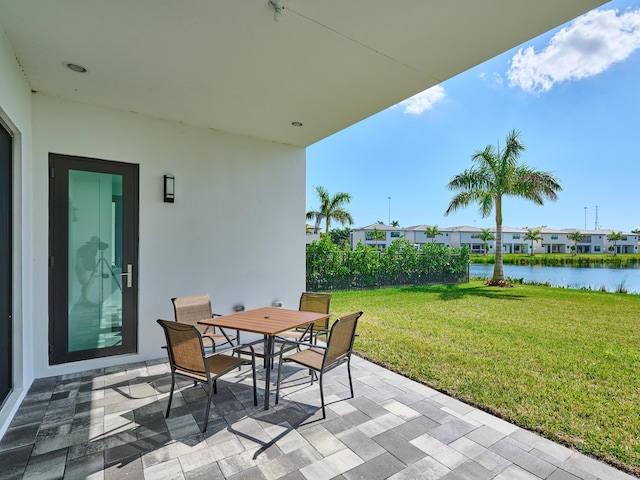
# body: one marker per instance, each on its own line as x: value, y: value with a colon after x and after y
x: 554, y: 237
x: 395, y: 234
x: 516, y: 236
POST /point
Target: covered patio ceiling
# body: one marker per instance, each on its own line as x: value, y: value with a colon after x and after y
x: 227, y: 65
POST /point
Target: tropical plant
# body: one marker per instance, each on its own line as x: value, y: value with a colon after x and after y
x: 432, y: 232
x: 395, y: 223
x: 331, y: 208
x: 615, y: 237
x: 576, y: 237
x: 533, y: 236
x: 498, y: 173
x: 486, y: 236
x: 341, y: 236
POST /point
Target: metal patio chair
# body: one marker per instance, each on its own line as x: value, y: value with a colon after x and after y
x: 187, y: 358
x: 191, y: 309
x: 320, y: 358
x: 310, y: 302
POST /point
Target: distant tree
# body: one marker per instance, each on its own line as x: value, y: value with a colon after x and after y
x: 636, y: 231
x: 486, y: 236
x: 395, y: 223
x: 576, y: 237
x: 432, y: 233
x: 534, y: 236
x: 341, y: 237
x: 379, y: 222
x: 331, y: 208
x: 498, y: 173
x: 615, y: 237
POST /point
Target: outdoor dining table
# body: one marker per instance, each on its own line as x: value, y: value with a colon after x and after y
x: 267, y: 321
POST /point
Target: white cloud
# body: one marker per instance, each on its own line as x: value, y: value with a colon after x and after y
x: 589, y: 46
x: 424, y: 100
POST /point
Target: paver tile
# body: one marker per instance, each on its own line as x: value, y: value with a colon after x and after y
x: 110, y: 424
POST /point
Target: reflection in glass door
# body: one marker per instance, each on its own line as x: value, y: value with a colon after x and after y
x: 94, y: 258
x: 95, y: 290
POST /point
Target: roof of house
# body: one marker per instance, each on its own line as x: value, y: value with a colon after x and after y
x: 227, y: 65
x: 379, y: 226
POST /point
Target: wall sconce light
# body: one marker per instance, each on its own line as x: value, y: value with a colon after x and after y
x: 277, y: 303
x: 169, y: 188
x: 238, y: 308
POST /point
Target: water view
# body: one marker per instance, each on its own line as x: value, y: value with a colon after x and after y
x: 594, y: 277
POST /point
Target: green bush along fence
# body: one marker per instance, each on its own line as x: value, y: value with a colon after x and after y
x: 330, y: 267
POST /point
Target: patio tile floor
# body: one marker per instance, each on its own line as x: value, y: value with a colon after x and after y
x: 109, y: 424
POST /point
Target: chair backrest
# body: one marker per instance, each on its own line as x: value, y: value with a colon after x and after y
x: 318, y: 303
x: 184, y: 344
x: 341, y: 338
x: 192, y: 309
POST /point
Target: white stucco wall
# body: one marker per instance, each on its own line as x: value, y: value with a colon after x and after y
x: 235, y: 230
x: 15, y: 115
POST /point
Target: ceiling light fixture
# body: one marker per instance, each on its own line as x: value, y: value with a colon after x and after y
x: 278, y: 7
x: 75, y: 67
x: 296, y: 124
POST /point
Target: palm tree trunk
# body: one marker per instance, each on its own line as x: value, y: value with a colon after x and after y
x: 498, y: 270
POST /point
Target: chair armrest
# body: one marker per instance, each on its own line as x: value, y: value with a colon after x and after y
x: 324, y: 331
x: 300, y: 344
x: 233, y: 349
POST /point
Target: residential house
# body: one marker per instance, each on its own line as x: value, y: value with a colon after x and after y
x: 376, y: 235
x: 418, y: 236
x: 312, y: 234
x: 553, y: 241
x: 596, y: 241
x: 169, y: 140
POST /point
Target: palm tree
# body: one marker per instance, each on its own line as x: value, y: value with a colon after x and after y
x: 615, y: 237
x: 486, y: 236
x: 534, y: 236
x: 576, y: 237
x: 395, y: 223
x: 499, y: 173
x: 331, y: 208
x: 432, y: 233
x: 377, y: 235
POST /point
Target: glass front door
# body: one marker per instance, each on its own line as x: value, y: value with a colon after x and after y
x: 94, y: 258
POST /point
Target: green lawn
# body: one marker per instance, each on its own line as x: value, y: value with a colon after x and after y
x: 563, y: 363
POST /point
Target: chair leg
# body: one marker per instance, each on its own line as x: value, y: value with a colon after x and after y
x: 173, y: 382
x: 278, y: 380
x: 349, y: 372
x: 206, y: 413
x: 324, y: 413
x: 255, y: 388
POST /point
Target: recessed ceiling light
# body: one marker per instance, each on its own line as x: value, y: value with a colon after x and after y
x: 75, y: 67
x: 296, y: 124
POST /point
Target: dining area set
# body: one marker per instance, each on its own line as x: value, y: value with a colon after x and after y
x: 203, y: 346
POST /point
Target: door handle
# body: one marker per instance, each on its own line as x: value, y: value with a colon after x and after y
x: 129, y: 275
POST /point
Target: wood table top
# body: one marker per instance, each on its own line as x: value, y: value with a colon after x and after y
x: 265, y: 320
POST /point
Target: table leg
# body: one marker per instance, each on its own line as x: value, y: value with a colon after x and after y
x: 268, y: 355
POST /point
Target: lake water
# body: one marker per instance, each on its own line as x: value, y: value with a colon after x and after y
x: 572, y: 277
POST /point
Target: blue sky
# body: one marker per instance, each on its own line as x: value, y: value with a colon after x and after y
x: 573, y: 93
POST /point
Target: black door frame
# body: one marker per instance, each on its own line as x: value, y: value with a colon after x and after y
x: 59, y: 166
x: 6, y: 263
